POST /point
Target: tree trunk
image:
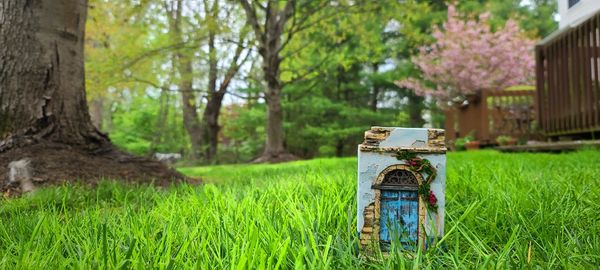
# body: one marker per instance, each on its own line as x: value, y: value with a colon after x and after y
x: 42, y: 75
x: 416, y: 104
x: 269, y: 35
x: 97, y: 112
x: 274, y: 146
x: 190, y: 113
x: 185, y: 70
x: 210, y: 118
x: 43, y: 109
x: 376, y: 90
x: 210, y: 121
x: 339, y: 148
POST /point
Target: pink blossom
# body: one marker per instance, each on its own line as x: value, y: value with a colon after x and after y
x: 468, y: 57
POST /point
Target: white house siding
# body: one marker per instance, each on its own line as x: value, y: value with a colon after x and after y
x: 577, y: 13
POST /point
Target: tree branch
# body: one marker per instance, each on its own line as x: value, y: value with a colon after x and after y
x: 252, y: 19
x: 134, y: 79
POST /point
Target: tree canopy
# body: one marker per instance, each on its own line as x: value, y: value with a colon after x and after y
x: 337, y: 65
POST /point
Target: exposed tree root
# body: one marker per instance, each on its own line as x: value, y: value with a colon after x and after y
x: 56, y: 163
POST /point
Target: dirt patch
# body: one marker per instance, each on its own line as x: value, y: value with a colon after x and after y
x: 55, y: 163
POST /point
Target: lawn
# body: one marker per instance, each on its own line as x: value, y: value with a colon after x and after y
x: 503, y: 211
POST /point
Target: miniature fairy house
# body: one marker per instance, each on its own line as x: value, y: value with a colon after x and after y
x: 401, y: 187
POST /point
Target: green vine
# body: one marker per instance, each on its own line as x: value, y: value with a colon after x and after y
x: 421, y: 166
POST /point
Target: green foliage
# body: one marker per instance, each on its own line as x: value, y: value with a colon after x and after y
x: 334, y: 70
x: 537, y: 17
x: 314, y: 121
x: 427, y: 171
x: 134, y: 128
x: 245, y: 129
x: 504, y: 139
x: 459, y: 143
x: 541, y: 213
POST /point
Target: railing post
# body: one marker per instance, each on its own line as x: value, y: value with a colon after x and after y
x: 449, y: 124
x: 540, y: 80
x: 484, y: 128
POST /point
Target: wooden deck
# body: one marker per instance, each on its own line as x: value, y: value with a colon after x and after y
x: 551, y: 146
x: 568, y: 80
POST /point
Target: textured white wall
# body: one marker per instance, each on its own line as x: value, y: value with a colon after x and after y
x: 371, y: 164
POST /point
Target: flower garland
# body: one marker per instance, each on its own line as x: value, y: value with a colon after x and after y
x: 420, y: 165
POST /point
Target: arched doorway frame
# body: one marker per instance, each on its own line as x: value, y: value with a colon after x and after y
x: 422, y: 211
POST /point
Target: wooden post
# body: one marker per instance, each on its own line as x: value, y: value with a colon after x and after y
x: 449, y: 124
x: 484, y: 128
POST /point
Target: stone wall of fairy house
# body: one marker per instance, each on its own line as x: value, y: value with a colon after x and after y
x: 378, y: 157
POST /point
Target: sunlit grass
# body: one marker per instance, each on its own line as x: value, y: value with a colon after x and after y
x: 504, y: 210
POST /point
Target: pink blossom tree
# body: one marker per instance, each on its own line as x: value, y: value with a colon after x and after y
x: 468, y: 57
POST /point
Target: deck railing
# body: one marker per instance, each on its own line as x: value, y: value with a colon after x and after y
x: 568, y: 72
x: 492, y: 114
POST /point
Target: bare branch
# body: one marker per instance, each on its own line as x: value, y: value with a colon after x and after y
x: 153, y: 52
x: 134, y: 79
x: 309, y: 71
x: 233, y: 69
x: 252, y: 19
x: 290, y: 33
x: 244, y: 97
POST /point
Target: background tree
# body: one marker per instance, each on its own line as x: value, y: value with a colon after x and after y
x: 43, y: 110
x: 269, y: 35
x: 182, y: 61
x: 336, y: 72
x: 218, y: 30
x: 468, y: 57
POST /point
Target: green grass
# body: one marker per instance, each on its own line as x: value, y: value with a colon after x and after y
x: 302, y: 215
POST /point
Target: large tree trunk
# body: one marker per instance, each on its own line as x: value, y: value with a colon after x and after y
x: 274, y: 146
x: 43, y: 110
x: 184, y: 68
x: 210, y: 118
x: 269, y: 36
x: 188, y: 100
x: 210, y: 124
x: 42, y: 75
x: 210, y: 121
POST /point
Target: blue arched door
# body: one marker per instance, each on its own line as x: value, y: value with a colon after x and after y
x: 399, y: 213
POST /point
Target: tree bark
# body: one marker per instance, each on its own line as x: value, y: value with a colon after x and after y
x: 210, y: 123
x: 188, y: 99
x: 274, y: 145
x: 376, y: 89
x: 43, y: 109
x: 415, y: 110
x: 210, y: 118
x: 339, y: 148
x: 97, y: 112
x: 42, y: 74
x: 184, y: 67
x: 269, y: 37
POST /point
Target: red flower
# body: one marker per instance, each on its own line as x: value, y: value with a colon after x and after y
x: 413, y: 163
x: 432, y: 198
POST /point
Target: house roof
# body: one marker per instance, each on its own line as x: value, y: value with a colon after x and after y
x: 566, y: 29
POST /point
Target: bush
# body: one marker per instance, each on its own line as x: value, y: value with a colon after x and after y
x: 459, y: 144
x: 504, y: 139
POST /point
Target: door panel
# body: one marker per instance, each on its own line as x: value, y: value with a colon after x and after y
x: 399, y: 216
